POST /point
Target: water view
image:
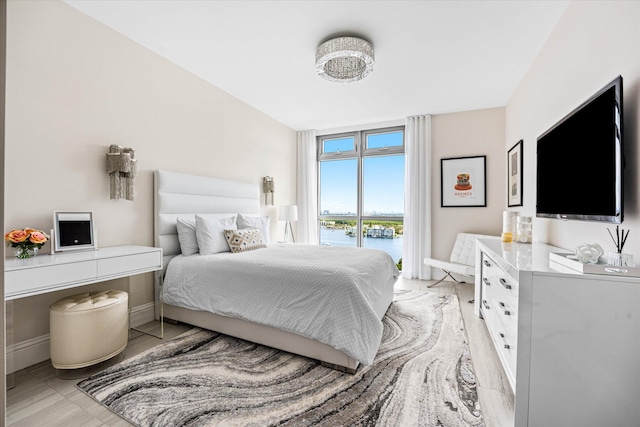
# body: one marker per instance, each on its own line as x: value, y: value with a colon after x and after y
x: 339, y: 237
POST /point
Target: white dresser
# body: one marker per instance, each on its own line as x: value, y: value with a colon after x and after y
x: 569, y: 342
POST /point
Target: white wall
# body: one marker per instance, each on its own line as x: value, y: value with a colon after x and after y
x: 468, y: 133
x: 74, y: 87
x: 593, y: 42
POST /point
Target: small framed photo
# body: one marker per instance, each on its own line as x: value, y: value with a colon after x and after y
x: 514, y: 175
x: 73, y: 231
x: 463, y: 182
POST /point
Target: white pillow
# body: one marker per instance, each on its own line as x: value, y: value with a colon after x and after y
x: 261, y: 223
x: 210, y: 234
x: 187, y: 236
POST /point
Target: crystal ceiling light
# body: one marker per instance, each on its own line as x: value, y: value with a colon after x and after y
x: 344, y: 59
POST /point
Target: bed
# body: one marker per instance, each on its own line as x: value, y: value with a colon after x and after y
x: 335, y: 315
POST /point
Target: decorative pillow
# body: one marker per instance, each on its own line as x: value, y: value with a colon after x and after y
x: 210, y: 234
x: 187, y: 236
x: 246, y: 239
x: 261, y: 223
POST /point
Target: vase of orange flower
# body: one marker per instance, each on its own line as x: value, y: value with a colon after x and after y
x: 27, y: 241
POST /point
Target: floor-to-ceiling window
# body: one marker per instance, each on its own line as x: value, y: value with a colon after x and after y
x: 361, y: 189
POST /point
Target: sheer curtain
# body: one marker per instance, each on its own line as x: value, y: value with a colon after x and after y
x: 307, y: 188
x: 416, y: 245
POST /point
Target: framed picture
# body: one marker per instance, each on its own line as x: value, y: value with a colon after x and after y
x: 514, y: 175
x: 463, y: 182
x: 73, y: 231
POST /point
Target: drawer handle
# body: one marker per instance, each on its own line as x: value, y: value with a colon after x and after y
x: 487, y: 263
x: 486, y: 281
x: 484, y: 302
x: 507, y: 346
x: 505, y: 284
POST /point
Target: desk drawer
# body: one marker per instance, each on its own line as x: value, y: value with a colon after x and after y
x: 26, y: 280
x: 121, y: 265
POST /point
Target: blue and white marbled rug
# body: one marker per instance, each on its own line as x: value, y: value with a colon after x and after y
x: 421, y: 376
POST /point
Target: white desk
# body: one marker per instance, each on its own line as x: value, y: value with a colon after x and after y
x: 49, y: 273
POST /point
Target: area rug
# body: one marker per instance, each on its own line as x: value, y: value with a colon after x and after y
x: 421, y: 376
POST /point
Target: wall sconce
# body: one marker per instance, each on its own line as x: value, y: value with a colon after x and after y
x: 288, y: 214
x: 267, y: 189
x: 121, y: 166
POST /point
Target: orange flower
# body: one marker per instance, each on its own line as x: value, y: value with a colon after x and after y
x: 38, y: 237
x: 16, y: 236
x: 30, y: 230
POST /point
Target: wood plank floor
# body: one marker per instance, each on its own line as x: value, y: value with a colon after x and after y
x: 39, y: 398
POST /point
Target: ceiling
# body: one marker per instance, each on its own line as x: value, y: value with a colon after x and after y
x: 432, y: 57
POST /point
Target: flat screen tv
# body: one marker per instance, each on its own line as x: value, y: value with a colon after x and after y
x: 580, y: 161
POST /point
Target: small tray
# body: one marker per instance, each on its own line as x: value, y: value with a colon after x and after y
x: 570, y: 260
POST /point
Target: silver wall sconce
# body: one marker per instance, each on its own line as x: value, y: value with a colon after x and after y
x: 268, y: 188
x: 121, y: 166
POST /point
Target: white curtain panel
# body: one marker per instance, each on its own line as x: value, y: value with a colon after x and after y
x: 307, y: 193
x: 416, y: 244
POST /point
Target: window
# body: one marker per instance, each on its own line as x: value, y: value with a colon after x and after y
x: 361, y: 189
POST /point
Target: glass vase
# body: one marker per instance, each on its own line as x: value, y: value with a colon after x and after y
x: 24, y: 252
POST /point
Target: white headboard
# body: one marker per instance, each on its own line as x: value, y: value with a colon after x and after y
x: 183, y: 195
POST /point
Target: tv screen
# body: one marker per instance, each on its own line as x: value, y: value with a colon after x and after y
x: 580, y: 161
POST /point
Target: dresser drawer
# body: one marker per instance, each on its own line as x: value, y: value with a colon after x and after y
x: 29, y: 280
x: 124, y: 265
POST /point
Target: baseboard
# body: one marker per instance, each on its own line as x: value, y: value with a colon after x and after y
x: 35, y: 350
x: 141, y: 314
x: 27, y: 353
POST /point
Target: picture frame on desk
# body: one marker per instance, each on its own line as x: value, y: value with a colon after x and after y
x: 73, y: 231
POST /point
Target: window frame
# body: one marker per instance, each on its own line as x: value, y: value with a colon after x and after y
x: 360, y: 153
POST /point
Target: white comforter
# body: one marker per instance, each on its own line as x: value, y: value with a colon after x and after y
x: 321, y: 292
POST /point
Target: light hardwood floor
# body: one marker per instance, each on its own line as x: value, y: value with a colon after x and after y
x: 39, y: 398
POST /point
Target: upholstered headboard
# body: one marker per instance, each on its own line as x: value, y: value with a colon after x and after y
x: 184, y: 195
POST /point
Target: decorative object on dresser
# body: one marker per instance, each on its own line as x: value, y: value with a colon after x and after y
x: 589, y: 253
x: 462, y: 260
x: 27, y: 241
x: 463, y: 181
x: 509, y: 226
x: 288, y: 214
x: 121, y: 167
x: 73, y: 231
x: 567, y: 341
x: 514, y: 175
x: 422, y: 376
x: 618, y: 258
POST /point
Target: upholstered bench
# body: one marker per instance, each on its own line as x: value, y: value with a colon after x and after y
x: 88, y: 328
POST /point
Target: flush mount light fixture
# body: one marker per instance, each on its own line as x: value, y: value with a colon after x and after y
x: 344, y: 59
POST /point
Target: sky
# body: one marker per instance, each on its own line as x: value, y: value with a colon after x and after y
x: 383, y: 179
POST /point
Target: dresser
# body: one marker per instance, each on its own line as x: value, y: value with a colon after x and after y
x: 569, y: 342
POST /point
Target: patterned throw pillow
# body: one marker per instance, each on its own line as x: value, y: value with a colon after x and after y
x: 245, y: 239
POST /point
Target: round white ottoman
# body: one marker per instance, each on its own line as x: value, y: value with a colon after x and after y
x: 88, y: 328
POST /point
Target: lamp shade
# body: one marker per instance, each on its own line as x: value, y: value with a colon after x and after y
x: 288, y: 213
